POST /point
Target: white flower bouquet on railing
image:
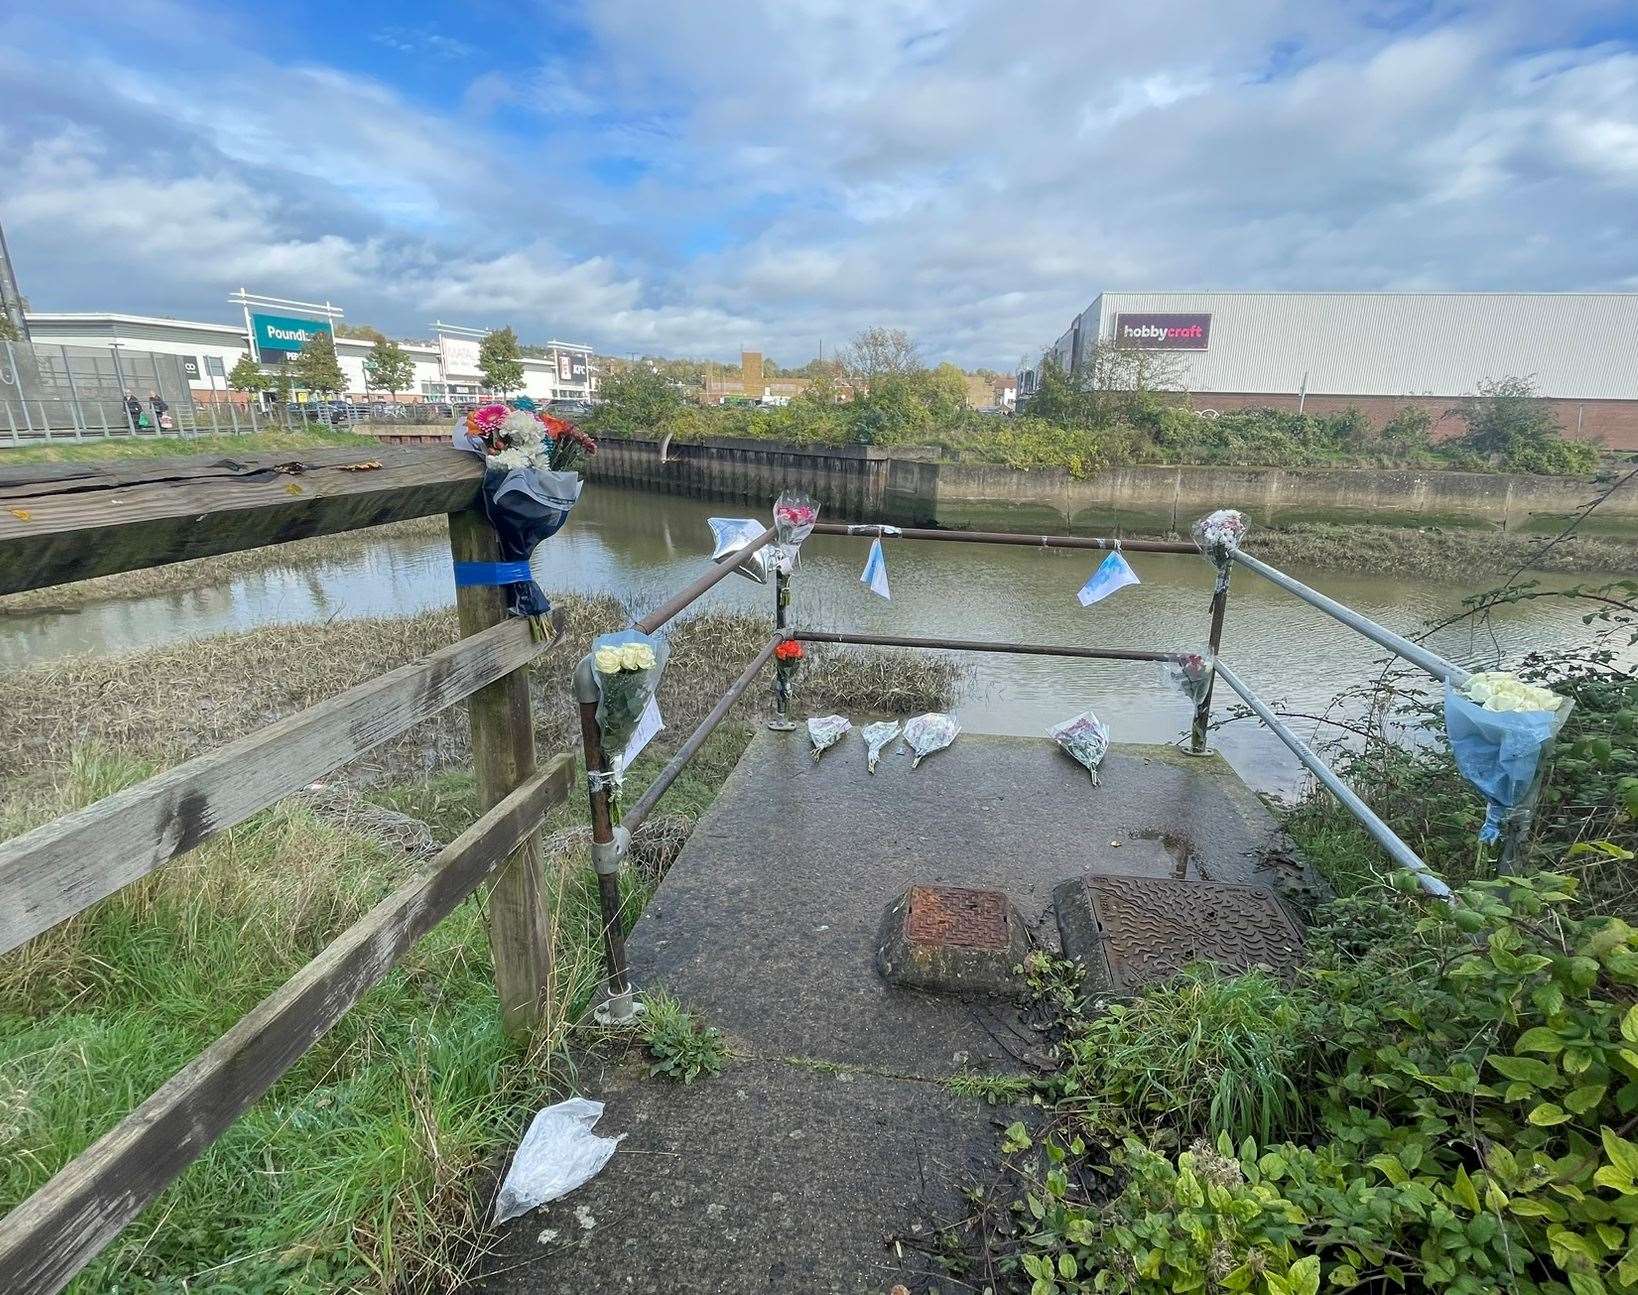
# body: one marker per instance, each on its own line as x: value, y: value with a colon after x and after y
x: 626, y: 666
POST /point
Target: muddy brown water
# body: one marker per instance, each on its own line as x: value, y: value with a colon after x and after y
x: 642, y: 547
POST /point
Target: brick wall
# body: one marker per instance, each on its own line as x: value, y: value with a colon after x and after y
x: 1614, y: 423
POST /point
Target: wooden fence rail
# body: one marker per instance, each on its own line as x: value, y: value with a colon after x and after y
x: 64, y: 522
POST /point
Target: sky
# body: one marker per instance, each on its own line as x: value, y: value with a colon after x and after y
x: 692, y: 178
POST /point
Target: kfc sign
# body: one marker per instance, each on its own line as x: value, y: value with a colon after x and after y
x: 1163, y: 332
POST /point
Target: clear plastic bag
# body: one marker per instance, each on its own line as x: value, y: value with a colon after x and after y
x: 626, y: 666
x: 928, y: 733
x: 1499, y: 752
x: 558, y: 1153
x: 876, y: 737
x: 826, y: 731
x: 1085, y: 739
x: 1191, y: 676
x: 732, y: 534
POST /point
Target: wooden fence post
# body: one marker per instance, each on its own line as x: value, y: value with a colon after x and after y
x: 503, y: 757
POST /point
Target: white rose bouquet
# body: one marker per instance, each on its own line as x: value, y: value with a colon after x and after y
x: 627, y: 667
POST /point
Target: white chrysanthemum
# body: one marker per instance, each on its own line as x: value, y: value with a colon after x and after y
x: 513, y: 458
x: 521, y: 429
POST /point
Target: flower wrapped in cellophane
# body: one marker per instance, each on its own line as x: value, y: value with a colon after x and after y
x: 1219, y: 536
x: 626, y: 666
x: 1499, y: 729
x: 1190, y: 674
x: 531, y: 481
x: 794, y: 517
x: 876, y: 737
x: 825, y: 731
x: 1084, y: 739
x: 928, y: 733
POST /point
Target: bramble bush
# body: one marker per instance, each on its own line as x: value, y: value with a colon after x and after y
x: 1475, y: 1081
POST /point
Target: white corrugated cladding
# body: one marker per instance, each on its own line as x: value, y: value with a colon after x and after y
x: 1577, y: 345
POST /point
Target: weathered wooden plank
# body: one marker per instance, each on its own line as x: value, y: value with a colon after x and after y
x: 75, y: 521
x: 62, y: 1227
x: 503, y: 755
x: 53, y: 872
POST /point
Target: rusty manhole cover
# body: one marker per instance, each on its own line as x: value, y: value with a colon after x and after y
x: 973, y: 919
x: 1138, y: 930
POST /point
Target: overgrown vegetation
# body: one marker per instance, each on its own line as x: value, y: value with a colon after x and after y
x: 367, y: 1166
x: 1443, y: 1098
x: 1122, y: 406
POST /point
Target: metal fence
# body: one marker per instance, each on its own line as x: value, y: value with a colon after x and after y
x: 50, y: 392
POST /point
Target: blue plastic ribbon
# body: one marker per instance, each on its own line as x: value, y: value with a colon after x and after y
x: 468, y: 574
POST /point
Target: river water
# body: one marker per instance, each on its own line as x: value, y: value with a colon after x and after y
x: 642, y: 547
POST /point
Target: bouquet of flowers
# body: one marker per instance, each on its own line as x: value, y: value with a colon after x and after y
x: 876, y: 737
x: 530, y: 482
x: 1218, y: 535
x: 1085, y: 739
x: 626, y: 666
x: 794, y: 515
x: 1499, y: 727
x: 826, y: 731
x: 1190, y: 674
x: 928, y: 733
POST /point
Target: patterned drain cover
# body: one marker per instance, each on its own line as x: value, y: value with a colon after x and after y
x: 973, y: 919
x: 1148, y: 928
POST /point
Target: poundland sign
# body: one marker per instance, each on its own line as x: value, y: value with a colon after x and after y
x: 1163, y: 332
x: 280, y: 333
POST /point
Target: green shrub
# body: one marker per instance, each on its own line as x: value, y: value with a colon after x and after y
x: 681, y: 1047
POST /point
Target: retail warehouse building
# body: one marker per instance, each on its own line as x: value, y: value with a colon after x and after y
x: 1323, y: 351
x: 205, y: 353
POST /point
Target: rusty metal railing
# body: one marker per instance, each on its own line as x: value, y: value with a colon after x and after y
x: 610, y: 842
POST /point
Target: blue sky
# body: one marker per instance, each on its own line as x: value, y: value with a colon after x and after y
x: 690, y: 178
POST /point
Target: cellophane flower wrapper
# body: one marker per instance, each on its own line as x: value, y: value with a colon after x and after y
x: 825, y: 731
x: 525, y: 505
x: 730, y: 534
x: 928, y: 733
x: 1499, y: 751
x: 623, y: 694
x: 876, y: 737
x: 1085, y: 739
x: 1191, y: 676
x: 1219, y: 535
x: 794, y: 515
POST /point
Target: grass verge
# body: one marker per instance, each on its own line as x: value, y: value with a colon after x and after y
x: 366, y: 1167
x: 168, y: 447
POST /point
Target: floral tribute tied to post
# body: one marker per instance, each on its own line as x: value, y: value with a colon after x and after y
x: 1219, y: 536
x: 1499, y: 726
x: 1084, y: 739
x: 1190, y: 674
x: 794, y: 516
x: 531, y: 481
x: 626, y: 665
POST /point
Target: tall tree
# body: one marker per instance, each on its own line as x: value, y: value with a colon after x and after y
x: 388, y: 367
x: 247, y: 376
x: 316, y: 368
x: 879, y: 353
x: 500, y: 361
x: 363, y: 332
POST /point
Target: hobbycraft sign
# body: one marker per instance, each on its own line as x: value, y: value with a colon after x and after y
x: 283, y: 333
x: 1163, y: 332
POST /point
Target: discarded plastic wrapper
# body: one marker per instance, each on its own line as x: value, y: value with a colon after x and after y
x: 558, y: 1153
x: 1113, y: 573
x: 1191, y: 676
x: 794, y: 515
x: 734, y: 533
x: 826, y: 731
x: 1219, y: 536
x: 928, y: 733
x: 1085, y: 739
x: 1499, y: 751
x: 626, y: 666
x: 877, y: 736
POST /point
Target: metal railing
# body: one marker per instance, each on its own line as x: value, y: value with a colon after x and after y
x: 611, y: 841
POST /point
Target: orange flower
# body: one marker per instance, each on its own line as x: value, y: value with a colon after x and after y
x: 789, y: 650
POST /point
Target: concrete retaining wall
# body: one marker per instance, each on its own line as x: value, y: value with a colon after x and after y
x: 912, y: 488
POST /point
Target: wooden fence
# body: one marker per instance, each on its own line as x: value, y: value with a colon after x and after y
x: 65, y: 522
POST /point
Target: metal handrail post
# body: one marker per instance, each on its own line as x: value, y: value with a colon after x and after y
x: 609, y: 847
x: 781, y: 722
x: 1214, y: 642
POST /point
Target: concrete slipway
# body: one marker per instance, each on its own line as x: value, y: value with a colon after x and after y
x: 831, y: 1132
